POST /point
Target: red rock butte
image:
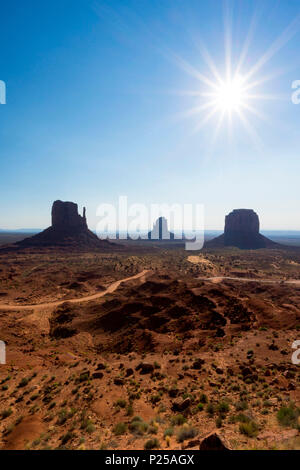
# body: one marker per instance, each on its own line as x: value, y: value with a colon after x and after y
x: 69, y: 229
x: 242, y: 231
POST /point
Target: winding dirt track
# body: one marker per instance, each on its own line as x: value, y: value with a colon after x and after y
x: 245, y: 279
x: 56, y: 303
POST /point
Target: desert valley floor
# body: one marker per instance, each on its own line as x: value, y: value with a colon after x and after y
x: 184, y: 344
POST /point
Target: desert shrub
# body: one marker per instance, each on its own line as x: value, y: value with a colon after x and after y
x: 241, y: 418
x: 219, y: 422
x: 241, y: 405
x: 168, y: 432
x: 210, y: 409
x: 250, y: 428
x: 19, y: 420
x: 119, y: 429
x: 6, y: 413
x: 288, y: 416
x: 34, y: 397
x: 121, y: 403
x: 200, y: 407
x: 178, y: 420
x: 155, y: 399
x: 83, y: 377
x: 151, y: 444
x: 23, y: 382
x: 90, y: 427
x: 203, y: 398
x: 223, y: 407
x: 186, y: 432
x: 9, y: 429
x: 138, y: 426
x: 62, y: 416
x: 152, y: 429
x: 67, y: 437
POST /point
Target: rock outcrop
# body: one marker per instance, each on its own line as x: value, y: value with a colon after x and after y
x: 242, y: 231
x: 160, y: 230
x: 214, y: 441
x: 65, y: 216
x: 69, y: 229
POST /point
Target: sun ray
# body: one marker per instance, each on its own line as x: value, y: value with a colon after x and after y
x: 205, y: 119
x: 196, y: 110
x: 208, y: 60
x: 281, y: 41
x: 234, y: 94
x: 188, y: 68
x: 227, y: 38
x: 249, y: 38
x: 250, y: 130
x: 256, y: 112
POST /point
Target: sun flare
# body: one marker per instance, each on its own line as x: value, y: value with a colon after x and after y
x: 233, y: 93
x: 230, y: 95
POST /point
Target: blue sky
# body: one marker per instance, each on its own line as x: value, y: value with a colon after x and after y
x: 95, y: 108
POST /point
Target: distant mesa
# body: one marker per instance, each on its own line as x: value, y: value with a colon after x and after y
x: 242, y: 231
x: 69, y: 229
x: 160, y: 230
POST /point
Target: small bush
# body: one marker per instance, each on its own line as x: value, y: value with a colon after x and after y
x: 151, y: 444
x: 203, y: 398
x: 250, y: 428
x: 241, y: 405
x: 23, y: 382
x: 67, y: 437
x: 168, y: 432
x: 219, y: 422
x: 178, y: 420
x: 138, y: 426
x: 6, y: 413
x: 120, y: 428
x: 223, y: 407
x: 288, y: 416
x: 210, y: 409
x: 121, y: 403
x: 200, y: 407
x: 186, y: 433
x: 90, y: 427
x: 62, y: 417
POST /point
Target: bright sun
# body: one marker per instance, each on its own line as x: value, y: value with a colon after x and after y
x: 235, y: 92
x: 230, y: 95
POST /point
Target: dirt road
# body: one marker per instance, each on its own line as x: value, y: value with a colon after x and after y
x: 56, y: 303
x: 245, y: 279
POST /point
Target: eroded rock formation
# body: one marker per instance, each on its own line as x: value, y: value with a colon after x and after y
x: 69, y: 229
x: 65, y: 215
x: 160, y: 230
x: 242, y: 231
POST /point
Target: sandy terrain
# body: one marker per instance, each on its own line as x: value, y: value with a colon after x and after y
x: 148, y: 349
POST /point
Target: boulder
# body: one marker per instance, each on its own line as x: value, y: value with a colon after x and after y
x: 214, y: 441
x: 145, y: 368
x: 97, y: 375
x: 181, y: 405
